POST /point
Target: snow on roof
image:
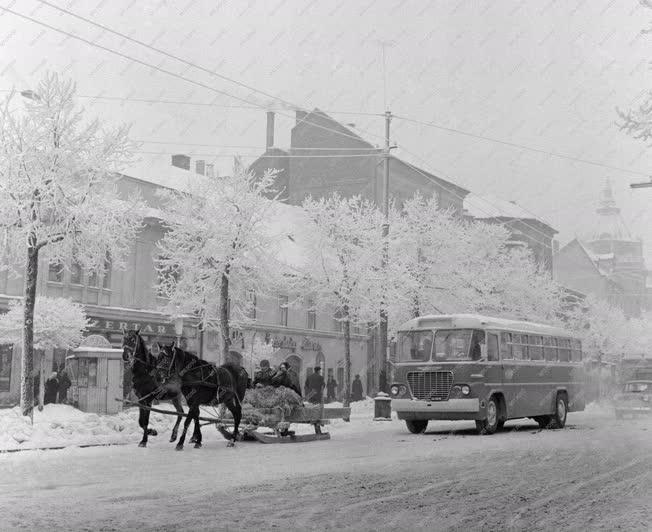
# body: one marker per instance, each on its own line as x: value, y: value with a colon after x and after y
x: 489, y: 206
x: 161, y: 172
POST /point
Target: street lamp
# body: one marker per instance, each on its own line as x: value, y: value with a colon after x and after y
x: 178, y: 326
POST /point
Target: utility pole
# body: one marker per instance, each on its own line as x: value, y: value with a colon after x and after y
x: 383, y: 329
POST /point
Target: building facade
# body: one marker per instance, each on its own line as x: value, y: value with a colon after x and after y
x: 128, y: 298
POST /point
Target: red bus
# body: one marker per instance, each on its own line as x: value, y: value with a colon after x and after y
x: 462, y: 366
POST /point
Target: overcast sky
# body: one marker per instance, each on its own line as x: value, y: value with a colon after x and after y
x: 537, y: 73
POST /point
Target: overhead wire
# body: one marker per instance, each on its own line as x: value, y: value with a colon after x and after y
x: 338, y: 132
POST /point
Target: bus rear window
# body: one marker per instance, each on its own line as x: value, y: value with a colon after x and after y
x: 414, y: 346
x: 453, y: 344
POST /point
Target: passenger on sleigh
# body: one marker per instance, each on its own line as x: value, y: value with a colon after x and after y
x: 285, y: 376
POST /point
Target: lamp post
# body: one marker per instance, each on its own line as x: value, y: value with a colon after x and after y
x: 178, y: 326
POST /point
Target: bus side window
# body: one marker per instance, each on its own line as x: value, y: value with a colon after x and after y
x: 564, y: 350
x: 506, y: 345
x: 525, y: 340
x: 576, y: 351
x: 536, y: 351
x: 492, y: 347
x: 517, y: 347
x: 550, y: 348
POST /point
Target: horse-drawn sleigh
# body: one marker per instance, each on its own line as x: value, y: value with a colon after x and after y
x: 177, y: 373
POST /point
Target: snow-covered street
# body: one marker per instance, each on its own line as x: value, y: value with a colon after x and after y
x: 594, y: 475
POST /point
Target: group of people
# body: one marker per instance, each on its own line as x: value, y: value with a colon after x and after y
x: 55, y: 388
x: 314, y: 386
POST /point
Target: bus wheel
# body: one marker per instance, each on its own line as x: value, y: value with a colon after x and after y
x: 490, y: 424
x: 416, y: 426
x: 561, y: 411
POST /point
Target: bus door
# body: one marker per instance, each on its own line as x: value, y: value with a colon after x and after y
x: 494, y: 368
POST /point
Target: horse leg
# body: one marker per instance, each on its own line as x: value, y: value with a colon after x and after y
x: 197, y: 436
x: 179, y: 409
x: 236, y: 411
x: 186, y: 424
x: 143, y: 421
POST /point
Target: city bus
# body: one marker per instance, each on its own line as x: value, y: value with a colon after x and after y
x: 490, y: 370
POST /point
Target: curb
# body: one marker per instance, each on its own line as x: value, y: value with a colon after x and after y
x: 57, y: 448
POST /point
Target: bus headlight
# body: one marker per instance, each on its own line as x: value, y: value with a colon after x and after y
x: 394, y: 390
x: 466, y: 390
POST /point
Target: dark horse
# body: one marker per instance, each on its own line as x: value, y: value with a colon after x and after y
x: 204, y: 383
x: 146, y: 384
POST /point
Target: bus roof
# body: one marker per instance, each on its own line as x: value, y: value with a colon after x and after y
x: 476, y: 321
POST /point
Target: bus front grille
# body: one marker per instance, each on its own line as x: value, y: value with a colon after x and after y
x: 430, y: 385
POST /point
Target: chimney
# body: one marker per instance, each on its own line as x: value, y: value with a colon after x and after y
x: 200, y: 167
x: 210, y: 170
x: 269, y: 142
x: 181, y: 161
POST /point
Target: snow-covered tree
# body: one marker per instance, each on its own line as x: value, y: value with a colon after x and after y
x: 58, y: 194
x: 342, y: 264
x: 58, y: 323
x: 605, y: 331
x: 448, y: 265
x: 217, y: 251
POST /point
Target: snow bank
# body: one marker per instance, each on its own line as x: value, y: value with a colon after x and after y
x: 63, y: 425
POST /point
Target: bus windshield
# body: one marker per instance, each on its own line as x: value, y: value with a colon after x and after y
x: 414, y: 346
x: 453, y: 344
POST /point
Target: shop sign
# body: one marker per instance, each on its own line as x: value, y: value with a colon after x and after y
x: 287, y: 342
x: 161, y: 329
x: 310, y: 345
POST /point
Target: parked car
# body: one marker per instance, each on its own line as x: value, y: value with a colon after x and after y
x: 636, y: 399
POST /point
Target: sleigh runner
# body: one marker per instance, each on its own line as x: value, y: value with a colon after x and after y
x: 280, y: 424
x: 275, y: 420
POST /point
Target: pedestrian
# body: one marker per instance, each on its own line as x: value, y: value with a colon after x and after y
x: 263, y: 377
x: 356, y: 389
x: 331, y: 389
x: 64, y: 384
x: 51, y: 389
x: 315, y: 386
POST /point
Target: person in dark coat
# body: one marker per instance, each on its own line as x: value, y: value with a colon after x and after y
x: 64, y: 384
x: 356, y: 389
x: 51, y: 389
x: 283, y: 377
x: 331, y: 388
x: 264, y: 375
x: 315, y: 386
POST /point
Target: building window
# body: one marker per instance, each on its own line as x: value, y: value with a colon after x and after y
x: 55, y: 272
x: 92, y: 279
x: 6, y: 356
x: 75, y: 273
x: 338, y: 324
x: 87, y: 372
x: 106, y: 280
x: 311, y: 315
x: 283, y: 310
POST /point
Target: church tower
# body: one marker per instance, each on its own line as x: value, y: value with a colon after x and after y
x: 618, y: 254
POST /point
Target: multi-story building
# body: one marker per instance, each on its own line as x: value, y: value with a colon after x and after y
x: 609, y: 263
x: 526, y: 229
x: 129, y: 298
